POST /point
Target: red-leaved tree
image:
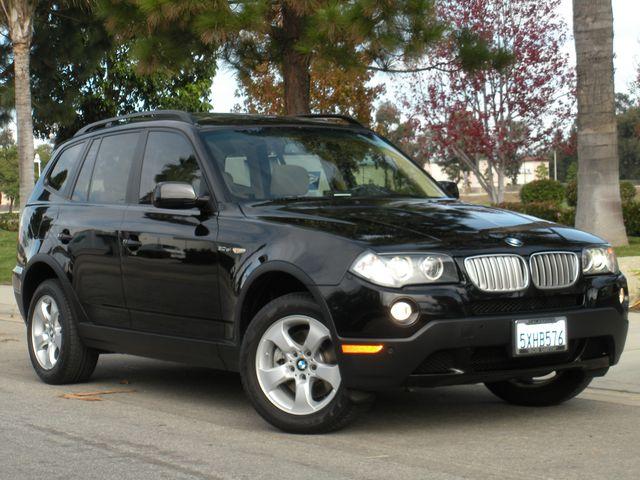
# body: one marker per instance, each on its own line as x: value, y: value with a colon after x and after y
x: 489, y: 120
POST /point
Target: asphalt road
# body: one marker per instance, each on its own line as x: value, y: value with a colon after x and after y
x: 175, y: 422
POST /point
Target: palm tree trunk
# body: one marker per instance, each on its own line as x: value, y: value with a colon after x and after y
x: 24, y: 120
x: 599, y: 207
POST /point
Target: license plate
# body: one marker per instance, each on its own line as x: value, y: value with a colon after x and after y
x: 540, y: 335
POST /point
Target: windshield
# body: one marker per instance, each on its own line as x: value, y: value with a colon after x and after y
x: 271, y: 163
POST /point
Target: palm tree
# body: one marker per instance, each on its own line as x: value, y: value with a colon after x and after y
x: 599, y: 206
x: 17, y: 16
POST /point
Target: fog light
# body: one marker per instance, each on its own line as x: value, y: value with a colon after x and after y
x: 623, y: 296
x: 402, y: 312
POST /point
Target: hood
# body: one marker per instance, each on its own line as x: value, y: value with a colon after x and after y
x: 386, y: 224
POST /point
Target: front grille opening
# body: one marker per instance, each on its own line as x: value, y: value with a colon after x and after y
x: 551, y: 270
x: 497, y: 273
x: 515, y: 305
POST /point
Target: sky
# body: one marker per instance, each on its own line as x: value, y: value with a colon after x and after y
x: 626, y: 45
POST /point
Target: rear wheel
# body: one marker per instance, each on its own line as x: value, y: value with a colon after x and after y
x: 552, y: 389
x: 55, y: 348
x: 289, y: 368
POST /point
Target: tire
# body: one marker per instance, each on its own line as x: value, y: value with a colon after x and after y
x: 278, y: 406
x: 64, y: 359
x: 542, y: 393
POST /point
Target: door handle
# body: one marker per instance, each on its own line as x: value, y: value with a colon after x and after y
x: 131, y: 244
x: 65, y: 237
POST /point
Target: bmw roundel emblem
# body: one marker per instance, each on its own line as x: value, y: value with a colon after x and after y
x: 514, y: 242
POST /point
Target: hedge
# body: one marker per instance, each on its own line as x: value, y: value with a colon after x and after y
x: 9, y: 221
x: 631, y: 214
x: 627, y: 192
x: 542, y: 191
x: 545, y: 210
x: 567, y: 216
x: 572, y: 193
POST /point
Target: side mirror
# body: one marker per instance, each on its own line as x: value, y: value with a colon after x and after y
x: 175, y: 195
x: 450, y: 188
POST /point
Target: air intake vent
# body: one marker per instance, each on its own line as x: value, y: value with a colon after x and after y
x: 498, y: 273
x: 551, y: 270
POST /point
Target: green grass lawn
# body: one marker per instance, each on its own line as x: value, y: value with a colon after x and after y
x: 7, y: 255
x: 633, y: 250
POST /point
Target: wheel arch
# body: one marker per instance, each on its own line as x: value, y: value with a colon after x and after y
x: 39, y: 269
x: 269, y: 281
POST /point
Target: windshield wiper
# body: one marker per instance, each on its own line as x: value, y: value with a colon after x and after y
x: 266, y: 201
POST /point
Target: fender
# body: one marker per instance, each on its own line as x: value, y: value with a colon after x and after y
x: 290, y: 269
x: 79, y: 312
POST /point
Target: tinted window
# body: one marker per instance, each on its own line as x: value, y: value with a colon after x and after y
x: 169, y: 157
x: 64, y: 166
x: 112, y: 167
x: 81, y: 189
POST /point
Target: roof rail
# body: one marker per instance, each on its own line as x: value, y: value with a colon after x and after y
x: 140, y: 116
x: 331, y: 116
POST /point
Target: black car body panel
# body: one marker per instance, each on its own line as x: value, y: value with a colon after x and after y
x: 179, y: 284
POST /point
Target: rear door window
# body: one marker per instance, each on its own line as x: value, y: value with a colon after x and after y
x: 112, y: 168
x: 64, y: 167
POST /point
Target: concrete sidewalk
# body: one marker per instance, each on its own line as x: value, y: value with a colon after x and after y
x: 8, y: 307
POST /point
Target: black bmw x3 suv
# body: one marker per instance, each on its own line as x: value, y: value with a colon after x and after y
x: 310, y: 255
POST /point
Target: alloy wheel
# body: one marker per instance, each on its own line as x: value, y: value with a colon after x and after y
x: 46, y: 332
x: 296, y: 365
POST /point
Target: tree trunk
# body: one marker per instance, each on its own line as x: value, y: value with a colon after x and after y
x: 500, y: 189
x: 295, y: 65
x: 24, y: 120
x: 599, y: 207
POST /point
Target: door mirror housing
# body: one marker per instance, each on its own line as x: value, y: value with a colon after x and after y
x: 450, y: 188
x: 176, y: 195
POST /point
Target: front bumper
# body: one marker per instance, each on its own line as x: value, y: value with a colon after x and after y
x: 477, y: 349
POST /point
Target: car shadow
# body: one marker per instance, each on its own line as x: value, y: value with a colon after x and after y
x: 220, y: 396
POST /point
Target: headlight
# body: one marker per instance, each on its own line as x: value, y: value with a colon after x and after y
x: 599, y: 260
x: 399, y: 270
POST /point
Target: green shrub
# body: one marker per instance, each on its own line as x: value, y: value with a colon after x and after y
x: 572, y: 193
x: 9, y: 221
x: 544, y: 210
x: 567, y: 217
x: 542, y: 191
x: 631, y: 215
x: 627, y: 191
x: 513, y: 206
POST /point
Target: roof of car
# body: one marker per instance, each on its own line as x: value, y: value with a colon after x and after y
x: 203, y: 119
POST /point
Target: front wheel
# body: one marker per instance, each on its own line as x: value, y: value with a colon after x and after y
x: 553, y: 389
x: 289, y: 368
